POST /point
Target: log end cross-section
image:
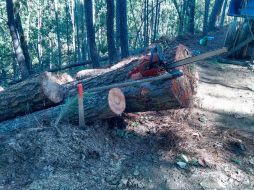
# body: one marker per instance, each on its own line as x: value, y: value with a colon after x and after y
x: 51, y: 89
x: 116, y: 101
x: 38, y: 93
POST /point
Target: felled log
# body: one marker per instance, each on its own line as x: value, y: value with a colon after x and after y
x: 88, y: 73
x: 147, y: 96
x: 115, y: 74
x: 102, y: 104
x: 29, y: 96
x: 119, y: 72
x: 76, y: 64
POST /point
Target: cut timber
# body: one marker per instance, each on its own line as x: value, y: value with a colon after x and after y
x: 115, y: 74
x: 102, y: 104
x: 31, y: 95
x: 119, y: 72
x: 142, y: 96
x: 88, y: 73
x: 116, y: 101
x: 159, y: 95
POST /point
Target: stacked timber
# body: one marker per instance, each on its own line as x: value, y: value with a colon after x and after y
x: 45, y: 91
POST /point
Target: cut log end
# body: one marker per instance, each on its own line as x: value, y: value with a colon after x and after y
x: 51, y: 89
x: 116, y: 101
x: 184, y: 88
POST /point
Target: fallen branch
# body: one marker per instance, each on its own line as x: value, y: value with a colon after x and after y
x: 76, y: 64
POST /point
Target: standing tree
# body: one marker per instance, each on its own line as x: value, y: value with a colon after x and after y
x: 215, y: 14
x: 223, y: 13
x: 145, y: 31
x: 22, y: 36
x: 181, y: 11
x: 121, y: 8
x: 88, y: 5
x: 57, y: 28
x: 191, y: 16
x: 110, y: 30
x: 205, y: 22
x: 155, y: 30
x: 16, y: 42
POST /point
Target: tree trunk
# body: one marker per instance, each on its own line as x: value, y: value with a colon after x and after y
x: 119, y: 72
x: 88, y: 4
x: 67, y: 29
x: 74, y: 28
x: 181, y: 15
x: 77, y: 18
x: 205, y: 25
x: 29, y: 96
x: 22, y: 37
x: 191, y: 16
x: 57, y: 32
x: 156, y: 20
x: 215, y: 14
x: 39, y: 37
x: 102, y: 104
x: 223, y: 14
x: 145, y: 96
x: 123, y: 27
x: 19, y: 53
x: 110, y: 31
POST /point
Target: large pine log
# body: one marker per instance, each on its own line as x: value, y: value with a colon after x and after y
x: 102, y: 104
x: 29, y: 96
x: 147, y: 96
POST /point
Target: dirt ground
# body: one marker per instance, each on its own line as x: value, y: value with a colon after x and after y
x: 209, y: 146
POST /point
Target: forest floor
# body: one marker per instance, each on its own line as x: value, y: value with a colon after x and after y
x: 209, y: 146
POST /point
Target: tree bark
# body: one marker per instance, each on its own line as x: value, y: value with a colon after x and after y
x: 22, y: 37
x: 191, y: 16
x: 206, y: 15
x: 56, y: 12
x: 156, y: 20
x: 123, y: 27
x: 223, y: 14
x: 74, y: 28
x: 119, y: 72
x: 102, y: 104
x: 147, y: 96
x: 39, y: 37
x: 215, y: 14
x: 110, y: 31
x: 29, y: 96
x: 19, y: 53
x: 88, y: 4
x: 145, y: 33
